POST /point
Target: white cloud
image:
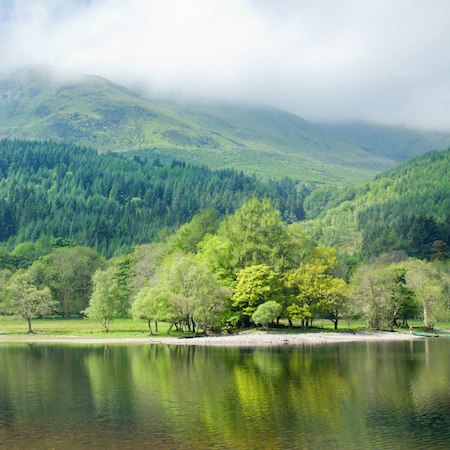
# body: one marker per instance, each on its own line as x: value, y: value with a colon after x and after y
x: 354, y: 59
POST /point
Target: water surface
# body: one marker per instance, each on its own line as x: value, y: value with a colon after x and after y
x: 349, y: 396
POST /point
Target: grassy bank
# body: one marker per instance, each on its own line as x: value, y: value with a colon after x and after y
x: 12, y: 329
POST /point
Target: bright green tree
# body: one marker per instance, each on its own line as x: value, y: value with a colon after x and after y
x: 196, y: 296
x: 431, y: 286
x: 68, y: 273
x: 367, y: 296
x: 312, y: 288
x: 106, y: 302
x: 189, y: 235
x: 145, y: 262
x: 28, y: 252
x: 26, y: 300
x: 400, y: 299
x: 253, y: 235
x: 266, y: 313
x: 256, y: 284
x: 151, y: 304
x: 381, y: 292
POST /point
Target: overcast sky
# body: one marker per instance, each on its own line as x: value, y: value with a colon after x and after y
x: 379, y: 60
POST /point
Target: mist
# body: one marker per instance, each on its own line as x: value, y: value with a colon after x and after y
x: 383, y: 61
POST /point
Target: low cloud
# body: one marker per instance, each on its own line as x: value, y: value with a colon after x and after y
x: 384, y: 61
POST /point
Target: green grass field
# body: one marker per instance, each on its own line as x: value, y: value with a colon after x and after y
x: 77, y: 327
x: 14, y: 329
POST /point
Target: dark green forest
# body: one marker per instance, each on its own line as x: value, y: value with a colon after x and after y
x: 111, y: 202
x: 54, y: 192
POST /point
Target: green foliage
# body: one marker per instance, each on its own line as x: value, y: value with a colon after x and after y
x: 26, y: 300
x: 430, y: 283
x: 256, y: 285
x: 262, y: 259
x: 254, y: 235
x: 196, y: 299
x: 400, y: 301
x: 440, y: 251
x: 389, y: 292
x: 25, y: 253
x: 188, y: 236
x: 406, y: 208
x: 312, y: 288
x: 145, y: 262
x: 151, y: 303
x: 68, y: 273
x: 106, y: 302
x: 109, y: 202
x: 266, y: 313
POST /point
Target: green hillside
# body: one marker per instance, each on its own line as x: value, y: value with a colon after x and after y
x: 407, y: 208
x: 109, y: 201
x: 92, y: 111
x: 395, y: 143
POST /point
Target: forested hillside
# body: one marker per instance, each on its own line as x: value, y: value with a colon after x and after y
x: 108, y: 201
x: 38, y: 103
x: 407, y: 208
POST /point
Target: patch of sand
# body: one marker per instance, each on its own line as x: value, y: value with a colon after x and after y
x: 255, y: 339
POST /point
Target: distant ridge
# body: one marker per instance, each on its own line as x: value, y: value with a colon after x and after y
x: 36, y: 103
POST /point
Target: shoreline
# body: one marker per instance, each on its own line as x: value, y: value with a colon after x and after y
x: 256, y: 339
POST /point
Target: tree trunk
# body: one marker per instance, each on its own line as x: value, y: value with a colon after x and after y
x: 335, y: 323
x: 290, y: 322
x: 426, y: 321
x: 267, y: 327
x: 170, y: 328
x: 188, y: 324
x: 149, y: 322
x: 303, y: 324
x: 29, y: 325
x: 156, y: 326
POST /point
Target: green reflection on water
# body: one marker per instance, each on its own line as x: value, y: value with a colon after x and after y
x: 367, y: 395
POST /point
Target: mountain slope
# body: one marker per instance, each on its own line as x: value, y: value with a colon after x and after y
x: 89, y: 110
x: 406, y: 208
x: 395, y: 143
x: 108, y: 201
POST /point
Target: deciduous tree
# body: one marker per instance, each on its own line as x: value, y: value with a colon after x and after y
x: 256, y: 284
x: 151, y: 304
x: 266, y: 313
x: 26, y: 300
x: 106, y: 302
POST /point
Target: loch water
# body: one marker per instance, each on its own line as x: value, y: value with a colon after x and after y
x: 385, y: 395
